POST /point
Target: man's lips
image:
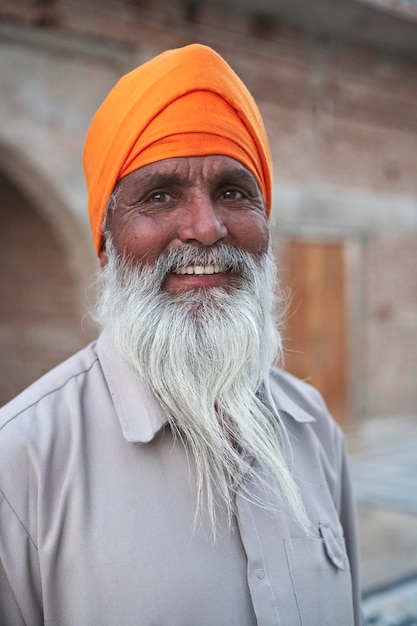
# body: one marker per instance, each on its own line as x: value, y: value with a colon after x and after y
x: 197, y: 276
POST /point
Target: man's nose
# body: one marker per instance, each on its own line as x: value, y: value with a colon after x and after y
x: 202, y: 222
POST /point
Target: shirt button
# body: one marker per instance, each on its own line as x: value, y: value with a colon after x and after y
x: 260, y: 574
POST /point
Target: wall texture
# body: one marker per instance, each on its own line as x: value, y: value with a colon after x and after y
x: 342, y: 122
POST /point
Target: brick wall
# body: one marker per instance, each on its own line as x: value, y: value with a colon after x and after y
x: 342, y: 123
x: 40, y: 316
x: 390, y: 323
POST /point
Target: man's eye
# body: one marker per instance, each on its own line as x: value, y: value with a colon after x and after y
x: 158, y: 197
x: 232, y: 194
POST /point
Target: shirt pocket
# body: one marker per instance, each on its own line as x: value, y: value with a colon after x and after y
x: 320, y: 577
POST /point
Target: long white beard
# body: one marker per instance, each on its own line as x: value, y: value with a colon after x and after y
x: 205, y: 354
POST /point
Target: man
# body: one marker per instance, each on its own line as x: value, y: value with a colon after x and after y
x: 168, y: 474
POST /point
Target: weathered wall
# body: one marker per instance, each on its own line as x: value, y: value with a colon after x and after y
x: 343, y: 128
x: 41, y: 304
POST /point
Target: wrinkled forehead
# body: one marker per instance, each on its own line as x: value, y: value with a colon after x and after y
x: 190, y: 171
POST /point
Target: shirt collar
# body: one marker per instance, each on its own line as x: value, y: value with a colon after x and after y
x: 140, y: 414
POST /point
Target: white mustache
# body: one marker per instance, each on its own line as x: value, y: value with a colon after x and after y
x: 221, y: 255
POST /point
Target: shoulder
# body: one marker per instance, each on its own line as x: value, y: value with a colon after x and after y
x: 39, y: 429
x: 301, y: 405
x: 60, y: 384
x: 297, y: 396
x: 315, y: 439
x: 38, y: 436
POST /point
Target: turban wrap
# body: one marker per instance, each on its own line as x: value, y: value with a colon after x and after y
x: 184, y: 102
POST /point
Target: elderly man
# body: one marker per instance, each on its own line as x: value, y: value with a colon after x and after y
x: 168, y: 474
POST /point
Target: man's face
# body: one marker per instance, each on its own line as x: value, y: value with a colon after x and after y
x: 175, y: 202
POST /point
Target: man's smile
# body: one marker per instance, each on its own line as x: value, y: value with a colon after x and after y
x: 200, y: 269
x: 187, y: 277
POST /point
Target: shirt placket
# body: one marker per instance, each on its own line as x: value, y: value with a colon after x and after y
x: 264, y: 532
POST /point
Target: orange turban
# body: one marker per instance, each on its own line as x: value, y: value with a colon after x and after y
x: 184, y: 102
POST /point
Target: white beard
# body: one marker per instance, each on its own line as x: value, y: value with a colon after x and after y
x: 205, y: 354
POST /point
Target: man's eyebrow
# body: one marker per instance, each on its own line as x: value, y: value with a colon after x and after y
x: 236, y: 176
x: 160, y: 179
x: 232, y: 176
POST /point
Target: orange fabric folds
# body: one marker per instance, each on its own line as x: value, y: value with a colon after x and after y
x: 184, y: 102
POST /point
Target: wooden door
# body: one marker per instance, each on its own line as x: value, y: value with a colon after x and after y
x: 315, y: 339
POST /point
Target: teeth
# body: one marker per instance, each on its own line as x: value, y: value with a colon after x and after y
x: 200, y: 269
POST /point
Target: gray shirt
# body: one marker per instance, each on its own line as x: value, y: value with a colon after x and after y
x: 97, y: 502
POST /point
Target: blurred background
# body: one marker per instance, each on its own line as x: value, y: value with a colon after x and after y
x: 336, y: 82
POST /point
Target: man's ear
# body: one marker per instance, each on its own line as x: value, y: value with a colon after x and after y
x: 103, y: 257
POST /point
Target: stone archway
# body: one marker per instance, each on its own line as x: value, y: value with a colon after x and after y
x: 41, y: 293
